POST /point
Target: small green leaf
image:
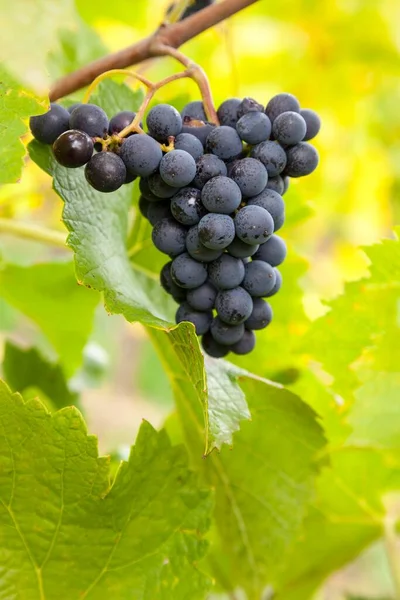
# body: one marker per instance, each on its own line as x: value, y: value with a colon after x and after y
x: 69, y: 534
x: 115, y: 97
x: 49, y: 295
x: 25, y: 369
x: 16, y: 105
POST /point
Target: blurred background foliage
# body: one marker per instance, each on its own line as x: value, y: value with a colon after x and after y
x: 339, y: 57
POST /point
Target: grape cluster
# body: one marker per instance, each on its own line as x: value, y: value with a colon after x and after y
x: 213, y: 195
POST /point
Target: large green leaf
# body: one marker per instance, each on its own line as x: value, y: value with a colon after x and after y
x: 27, y: 369
x: 16, y: 105
x: 49, y: 295
x: 66, y: 533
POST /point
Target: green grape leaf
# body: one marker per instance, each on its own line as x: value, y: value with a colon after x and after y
x: 24, y: 369
x: 114, y: 97
x: 49, y: 295
x: 16, y: 105
x: 77, y: 536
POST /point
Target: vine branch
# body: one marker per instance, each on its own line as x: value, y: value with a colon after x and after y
x: 171, y: 36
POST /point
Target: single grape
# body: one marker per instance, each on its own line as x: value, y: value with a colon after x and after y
x: 194, y: 110
x: 216, y: 231
x: 199, y: 129
x: 73, y: 149
x: 240, y: 249
x: 272, y: 156
x: 246, y: 344
x: 159, y: 188
x: 169, y: 237
x: 250, y: 175
x: 221, y: 195
x: 212, y: 348
x: 253, y: 225
x: 141, y: 155
x: 203, y: 297
x: 46, y: 128
x: 289, y: 128
x: 261, y: 315
x: 273, y: 203
x: 224, y: 142
x: 73, y: 106
x: 105, y: 172
x: 281, y: 103
x: 302, y: 160
x: 186, y: 206
x: 248, y: 105
x: 273, y: 251
x: 225, y: 334
x: 201, y: 320
x: 227, y: 112
x: 286, y: 183
x: 89, y: 118
x: 143, y: 205
x: 178, y: 293
x: 120, y: 121
x: 234, y: 306
x: 196, y: 249
x: 227, y: 272
x: 277, y: 286
x: 207, y: 167
x: 277, y: 184
x: 178, y: 168
x: 189, y: 143
x: 259, y: 278
x: 145, y: 190
x: 164, y: 121
x: 254, y: 127
x: 187, y: 272
x: 157, y: 211
x: 313, y: 123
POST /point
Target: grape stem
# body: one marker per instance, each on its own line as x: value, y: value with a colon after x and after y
x: 170, y: 35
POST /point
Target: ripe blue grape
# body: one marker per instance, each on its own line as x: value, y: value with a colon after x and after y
x: 203, y: 297
x: 254, y: 127
x: 225, y: 334
x: 189, y: 143
x: 221, y: 195
x: 178, y: 293
x: 313, y: 123
x: 227, y: 272
x: 261, y: 315
x: 246, y: 343
x: 73, y: 149
x: 302, y: 160
x: 46, y: 128
x: 157, y: 211
x: 272, y: 156
x: 273, y: 251
x: 73, y: 106
x: 207, y: 167
x: 281, y: 103
x: 216, y: 231
x: 159, y: 188
x: 196, y: 249
x: 277, y: 286
x: 186, y: 206
x: 234, y: 306
x: 141, y: 155
x: 120, y: 121
x: 187, y: 272
x: 289, y: 128
x: 194, y: 110
x: 224, y: 142
x: 164, y: 121
x: 240, y: 249
x: 197, y: 128
x: 273, y: 203
x: 259, y: 278
x: 253, y: 225
x: 105, y: 172
x: 169, y: 237
x: 89, y: 118
x: 201, y: 320
x: 277, y: 184
x: 212, y: 348
x: 178, y: 168
x: 227, y: 112
x: 250, y: 175
x: 248, y: 105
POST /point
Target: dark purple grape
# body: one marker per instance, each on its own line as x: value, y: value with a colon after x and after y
x: 224, y: 142
x: 196, y: 249
x: 164, y: 121
x: 281, y: 103
x: 120, y: 121
x: 105, y: 172
x: 178, y: 168
x: 141, y: 154
x: 261, y: 315
x: 212, y: 348
x: 73, y: 149
x: 194, y: 110
x: 227, y: 112
x: 272, y: 156
x: 216, y: 231
x: 234, y: 306
x: 221, y: 195
x: 313, y: 123
x: 246, y: 343
x: 186, y: 206
x: 225, y: 334
x: 248, y: 105
x: 203, y: 297
x: 273, y: 251
x: 169, y: 237
x: 190, y: 144
x: 302, y: 160
x: 289, y: 128
x: 259, y: 278
x: 89, y: 118
x: 207, y: 167
x: 227, y: 272
x: 250, y: 175
x: 201, y: 320
x: 253, y: 225
x: 46, y: 128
